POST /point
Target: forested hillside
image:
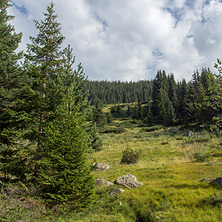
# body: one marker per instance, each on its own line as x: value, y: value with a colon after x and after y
x: 119, y: 92
x: 165, y: 101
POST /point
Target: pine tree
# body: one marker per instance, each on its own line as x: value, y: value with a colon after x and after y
x: 215, y: 98
x: 98, y: 115
x: 43, y: 62
x: 182, y: 98
x: 149, y: 118
x: 64, y: 176
x: 171, y: 116
x: 172, y: 91
x: 208, y: 82
x: 14, y: 91
x: 160, y: 97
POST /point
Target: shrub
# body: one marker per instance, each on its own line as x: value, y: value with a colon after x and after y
x: 130, y: 156
x: 202, y: 156
x: 164, y: 143
x: 152, y: 128
x: 116, y: 130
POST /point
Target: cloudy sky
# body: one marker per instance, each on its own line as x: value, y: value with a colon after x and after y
x: 132, y: 39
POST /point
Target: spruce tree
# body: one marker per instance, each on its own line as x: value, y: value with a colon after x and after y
x: 65, y: 177
x: 44, y: 63
x: 14, y: 91
x: 182, y: 99
x: 215, y: 98
x: 98, y: 115
x: 172, y: 91
x: 160, y: 97
x: 171, y: 116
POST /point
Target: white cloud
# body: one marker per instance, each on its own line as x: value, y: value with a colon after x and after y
x: 131, y: 40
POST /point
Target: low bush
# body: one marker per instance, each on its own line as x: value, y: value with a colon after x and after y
x: 130, y: 156
x: 152, y: 128
x: 202, y: 156
x: 114, y: 130
x: 164, y: 143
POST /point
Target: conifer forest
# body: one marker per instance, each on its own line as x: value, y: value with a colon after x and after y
x: 57, y: 126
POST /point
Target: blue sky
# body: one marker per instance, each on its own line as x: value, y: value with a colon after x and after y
x: 132, y: 39
x: 20, y: 8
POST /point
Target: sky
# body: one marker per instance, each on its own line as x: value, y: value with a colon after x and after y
x: 130, y: 40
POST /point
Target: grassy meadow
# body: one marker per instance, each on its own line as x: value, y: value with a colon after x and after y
x: 171, y: 167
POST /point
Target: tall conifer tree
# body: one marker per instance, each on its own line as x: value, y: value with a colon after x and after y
x: 44, y: 63
x: 14, y: 89
x: 64, y: 176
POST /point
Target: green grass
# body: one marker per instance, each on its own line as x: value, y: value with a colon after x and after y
x: 170, y: 168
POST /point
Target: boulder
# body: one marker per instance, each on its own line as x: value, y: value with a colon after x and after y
x: 100, y: 182
x: 101, y: 166
x: 128, y: 181
x: 116, y: 191
x: 217, y: 181
x: 109, y: 184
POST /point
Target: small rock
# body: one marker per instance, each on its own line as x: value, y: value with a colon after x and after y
x: 100, y: 182
x: 109, y: 184
x: 101, y: 166
x: 129, y: 181
x: 116, y: 191
x: 190, y: 133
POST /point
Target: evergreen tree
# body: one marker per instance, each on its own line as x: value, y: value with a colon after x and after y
x: 172, y: 90
x: 94, y: 138
x: 149, y: 117
x: 215, y: 98
x: 128, y: 110
x: 65, y: 177
x: 208, y: 82
x: 14, y: 91
x: 109, y: 117
x: 44, y: 63
x: 190, y: 106
x: 171, y: 116
x: 135, y: 112
x: 160, y: 96
x: 182, y: 98
x: 98, y: 115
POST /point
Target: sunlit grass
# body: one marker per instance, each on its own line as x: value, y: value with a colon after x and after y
x: 169, y: 170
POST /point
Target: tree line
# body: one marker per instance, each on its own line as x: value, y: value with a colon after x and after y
x: 119, y: 92
x: 165, y: 101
